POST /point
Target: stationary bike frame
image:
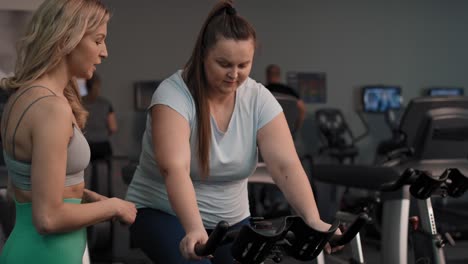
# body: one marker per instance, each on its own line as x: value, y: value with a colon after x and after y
x: 428, y: 244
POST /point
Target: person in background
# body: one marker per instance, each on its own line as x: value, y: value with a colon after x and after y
x: 44, y: 148
x: 101, y: 124
x: 203, y: 127
x: 274, y: 84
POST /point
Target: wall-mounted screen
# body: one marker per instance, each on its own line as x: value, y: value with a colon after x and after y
x: 445, y: 91
x: 381, y: 98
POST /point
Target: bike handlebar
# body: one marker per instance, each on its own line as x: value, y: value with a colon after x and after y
x: 213, y: 241
x: 406, y: 178
x: 256, y: 245
x: 423, y: 185
x: 351, y: 232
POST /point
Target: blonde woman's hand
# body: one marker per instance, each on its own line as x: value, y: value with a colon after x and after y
x: 125, y: 211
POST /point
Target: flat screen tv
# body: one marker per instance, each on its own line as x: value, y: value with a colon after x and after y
x: 381, y: 98
x: 445, y: 91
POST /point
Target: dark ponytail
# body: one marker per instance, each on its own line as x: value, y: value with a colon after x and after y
x: 222, y: 21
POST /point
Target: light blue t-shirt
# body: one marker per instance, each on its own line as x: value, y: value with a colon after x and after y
x: 233, y: 153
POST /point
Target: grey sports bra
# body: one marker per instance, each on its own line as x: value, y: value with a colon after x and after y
x: 78, y: 153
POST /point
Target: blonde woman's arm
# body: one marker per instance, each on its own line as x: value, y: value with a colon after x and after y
x: 50, y: 138
x: 91, y: 197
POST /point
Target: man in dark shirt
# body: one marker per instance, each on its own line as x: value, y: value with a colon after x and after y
x: 273, y: 83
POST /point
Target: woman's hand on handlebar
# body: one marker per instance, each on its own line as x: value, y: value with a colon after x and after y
x: 330, y: 249
x: 187, y: 244
x: 323, y: 226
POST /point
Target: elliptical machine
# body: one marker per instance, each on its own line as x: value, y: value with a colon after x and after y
x: 391, y: 147
x: 338, y: 140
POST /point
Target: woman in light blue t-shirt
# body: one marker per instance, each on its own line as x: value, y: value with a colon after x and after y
x: 200, y: 145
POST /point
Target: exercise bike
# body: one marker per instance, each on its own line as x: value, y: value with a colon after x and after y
x: 253, y: 244
x: 427, y: 243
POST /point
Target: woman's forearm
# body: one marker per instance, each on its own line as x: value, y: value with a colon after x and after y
x: 183, y: 200
x: 293, y: 182
x: 90, y: 196
x: 67, y: 217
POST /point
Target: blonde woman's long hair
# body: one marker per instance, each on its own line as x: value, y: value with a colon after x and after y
x: 54, y: 31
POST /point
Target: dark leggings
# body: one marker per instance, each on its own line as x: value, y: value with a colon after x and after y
x: 158, y: 234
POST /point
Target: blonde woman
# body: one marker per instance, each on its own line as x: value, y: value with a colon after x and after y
x: 45, y: 151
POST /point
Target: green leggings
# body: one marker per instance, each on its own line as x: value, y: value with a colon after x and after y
x: 26, y: 245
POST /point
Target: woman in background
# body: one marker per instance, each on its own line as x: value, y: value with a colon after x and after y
x: 101, y: 124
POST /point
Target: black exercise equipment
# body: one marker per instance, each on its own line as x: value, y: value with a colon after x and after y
x: 427, y: 242
x: 338, y: 141
x: 293, y: 236
x: 436, y: 138
x: 385, y: 149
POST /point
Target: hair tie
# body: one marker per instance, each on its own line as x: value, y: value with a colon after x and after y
x: 231, y: 10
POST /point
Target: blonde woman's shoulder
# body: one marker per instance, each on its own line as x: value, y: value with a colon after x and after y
x: 52, y: 109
